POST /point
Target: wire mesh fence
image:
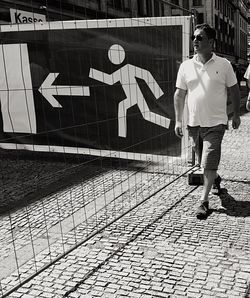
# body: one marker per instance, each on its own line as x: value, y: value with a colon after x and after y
x: 87, y: 130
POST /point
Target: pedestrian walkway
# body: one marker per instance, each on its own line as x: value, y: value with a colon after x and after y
x: 160, y: 249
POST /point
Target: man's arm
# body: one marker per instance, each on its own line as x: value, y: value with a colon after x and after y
x: 248, y: 83
x: 248, y: 97
x: 248, y: 100
x: 247, y: 77
x: 235, y: 97
x: 179, y: 102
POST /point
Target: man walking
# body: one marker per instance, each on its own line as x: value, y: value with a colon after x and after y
x: 247, y: 77
x: 203, y: 81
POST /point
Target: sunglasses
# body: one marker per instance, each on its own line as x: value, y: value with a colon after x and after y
x: 197, y: 37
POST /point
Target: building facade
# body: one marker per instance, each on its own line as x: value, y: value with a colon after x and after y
x: 230, y: 20
x: 248, y: 33
x: 228, y: 17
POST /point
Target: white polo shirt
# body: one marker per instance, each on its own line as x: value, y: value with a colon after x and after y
x: 247, y: 73
x: 206, y: 86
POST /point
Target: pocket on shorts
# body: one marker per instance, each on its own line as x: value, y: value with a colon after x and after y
x: 219, y: 128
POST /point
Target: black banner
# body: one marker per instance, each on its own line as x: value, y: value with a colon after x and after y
x: 96, y: 88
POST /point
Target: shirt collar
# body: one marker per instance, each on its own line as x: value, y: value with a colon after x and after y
x: 196, y: 59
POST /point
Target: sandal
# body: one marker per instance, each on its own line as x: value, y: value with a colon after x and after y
x: 216, y: 184
x: 202, y: 211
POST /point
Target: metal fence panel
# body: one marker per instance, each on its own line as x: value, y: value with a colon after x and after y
x: 57, y: 174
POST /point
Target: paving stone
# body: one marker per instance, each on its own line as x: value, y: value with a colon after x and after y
x: 233, y: 293
x: 75, y: 295
x: 177, y: 255
x: 16, y: 295
x: 168, y: 289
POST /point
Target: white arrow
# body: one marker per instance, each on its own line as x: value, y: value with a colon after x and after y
x: 49, y: 91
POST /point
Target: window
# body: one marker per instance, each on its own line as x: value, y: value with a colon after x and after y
x: 124, y: 5
x: 232, y: 14
x: 149, y: 8
x: 140, y: 8
x: 232, y: 33
x: 222, y: 27
x: 156, y: 8
x: 162, y: 9
x: 186, y: 4
x: 127, y: 5
x: 4, y: 16
x: 200, y: 18
x: 216, y: 25
x: 197, y: 2
x: 115, y: 4
x: 216, y: 4
x: 219, y: 5
x: 225, y: 9
x: 175, y: 2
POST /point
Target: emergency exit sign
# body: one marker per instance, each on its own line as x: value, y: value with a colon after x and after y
x: 21, y: 16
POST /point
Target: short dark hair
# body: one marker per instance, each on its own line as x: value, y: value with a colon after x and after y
x: 210, y: 32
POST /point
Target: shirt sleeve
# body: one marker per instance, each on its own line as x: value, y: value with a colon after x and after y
x: 181, y: 81
x: 247, y: 73
x: 231, y: 79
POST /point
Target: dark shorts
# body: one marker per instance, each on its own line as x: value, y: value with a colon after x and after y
x: 207, y: 144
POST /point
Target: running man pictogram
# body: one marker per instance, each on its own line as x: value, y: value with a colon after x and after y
x: 127, y: 75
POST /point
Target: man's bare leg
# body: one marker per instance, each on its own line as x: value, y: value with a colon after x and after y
x: 208, y: 177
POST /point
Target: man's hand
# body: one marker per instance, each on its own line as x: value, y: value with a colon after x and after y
x: 248, y: 102
x: 236, y: 121
x: 248, y: 105
x: 179, y: 101
x: 178, y: 129
x: 235, y: 97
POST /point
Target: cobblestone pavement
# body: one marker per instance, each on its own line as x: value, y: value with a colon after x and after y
x: 160, y: 249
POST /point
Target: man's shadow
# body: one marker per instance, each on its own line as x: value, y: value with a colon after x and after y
x: 231, y: 206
